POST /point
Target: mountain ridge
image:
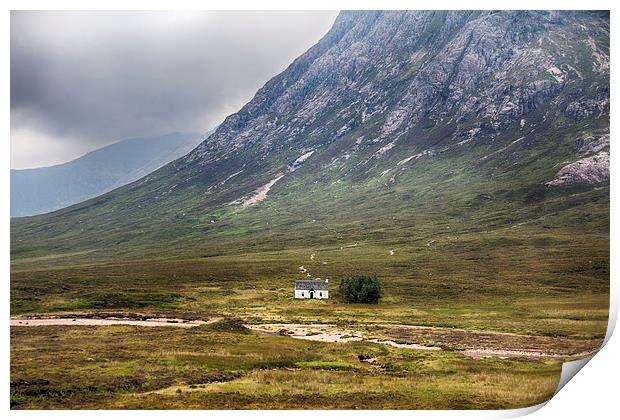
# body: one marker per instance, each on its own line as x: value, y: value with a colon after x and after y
x: 408, y: 116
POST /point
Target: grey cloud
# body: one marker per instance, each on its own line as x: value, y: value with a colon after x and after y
x: 98, y: 77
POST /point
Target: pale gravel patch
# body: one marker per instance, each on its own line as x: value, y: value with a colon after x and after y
x: 261, y: 193
x: 331, y: 333
x: 152, y: 322
x: 405, y: 345
x: 328, y: 333
x: 530, y: 354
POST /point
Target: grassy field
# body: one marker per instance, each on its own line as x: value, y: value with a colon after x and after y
x: 540, y: 270
x: 523, y: 280
x: 478, y: 244
x: 134, y: 367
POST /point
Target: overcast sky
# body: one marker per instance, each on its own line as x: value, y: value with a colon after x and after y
x: 81, y: 80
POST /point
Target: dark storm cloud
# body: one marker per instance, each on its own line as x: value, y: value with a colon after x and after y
x: 80, y: 80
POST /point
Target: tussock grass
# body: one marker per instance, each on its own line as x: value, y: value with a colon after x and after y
x: 133, y: 367
x: 230, y: 325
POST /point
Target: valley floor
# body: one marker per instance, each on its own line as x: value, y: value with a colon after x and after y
x: 476, y: 322
x: 472, y: 343
x: 86, y: 363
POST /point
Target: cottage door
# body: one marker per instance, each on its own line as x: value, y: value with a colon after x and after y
x: 311, y: 294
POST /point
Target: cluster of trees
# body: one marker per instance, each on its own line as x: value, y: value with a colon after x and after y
x: 360, y: 289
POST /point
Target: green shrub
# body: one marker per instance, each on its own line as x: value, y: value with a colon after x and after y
x: 360, y: 289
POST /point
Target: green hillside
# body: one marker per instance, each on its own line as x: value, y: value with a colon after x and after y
x: 462, y: 157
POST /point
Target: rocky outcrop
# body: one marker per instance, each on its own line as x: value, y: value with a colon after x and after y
x: 590, y: 170
x: 588, y: 107
x: 587, y: 171
x: 591, y: 144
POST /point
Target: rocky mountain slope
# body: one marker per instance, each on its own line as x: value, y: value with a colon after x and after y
x: 41, y: 190
x: 396, y: 125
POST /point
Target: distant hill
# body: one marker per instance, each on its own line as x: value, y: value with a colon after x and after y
x: 41, y: 190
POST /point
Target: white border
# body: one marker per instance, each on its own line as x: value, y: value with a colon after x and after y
x: 310, y: 5
x: 592, y: 395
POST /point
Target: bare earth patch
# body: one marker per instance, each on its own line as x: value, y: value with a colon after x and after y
x: 318, y: 332
x: 261, y: 193
x: 153, y: 322
x: 471, y: 343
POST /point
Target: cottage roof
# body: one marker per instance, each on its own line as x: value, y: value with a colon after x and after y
x: 311, y: 284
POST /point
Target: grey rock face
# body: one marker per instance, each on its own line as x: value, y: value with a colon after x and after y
x: 589, y: 171
x: 591, y: 144
x: 588, y: 107
x: 377, y: 77
x: 393, y: 70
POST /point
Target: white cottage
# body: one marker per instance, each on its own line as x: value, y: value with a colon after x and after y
x: 312, y: 289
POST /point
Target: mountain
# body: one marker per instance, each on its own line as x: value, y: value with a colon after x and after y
x: 396, y: 128
x: 41, y: 190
